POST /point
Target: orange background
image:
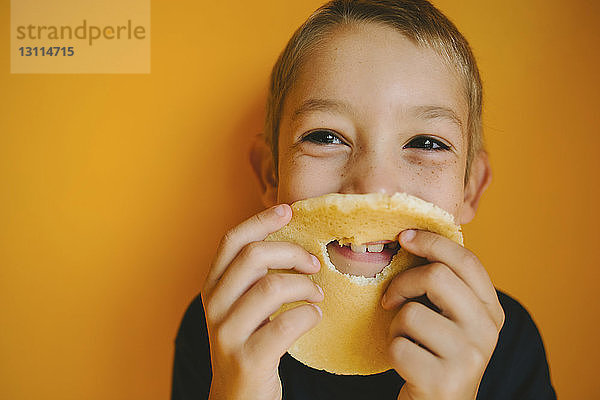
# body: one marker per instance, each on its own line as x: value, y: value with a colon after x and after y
x: 114, y: 189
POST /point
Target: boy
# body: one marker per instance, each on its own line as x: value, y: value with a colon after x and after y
x: 368, y: 96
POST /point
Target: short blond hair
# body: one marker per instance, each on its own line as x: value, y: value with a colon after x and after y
x: 417, y: 20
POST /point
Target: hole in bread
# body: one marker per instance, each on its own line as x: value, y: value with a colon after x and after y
x: 361, y: 262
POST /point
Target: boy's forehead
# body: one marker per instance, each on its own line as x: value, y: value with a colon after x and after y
x: 373, y: 70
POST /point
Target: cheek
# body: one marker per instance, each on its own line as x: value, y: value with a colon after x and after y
x: 439, y: 183
x: 303, y: 177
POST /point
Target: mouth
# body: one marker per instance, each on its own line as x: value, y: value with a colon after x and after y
x: 367, y: 259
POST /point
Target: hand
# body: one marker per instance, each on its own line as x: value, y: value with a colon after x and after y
x: 442, y: 355
x: 239, y: 296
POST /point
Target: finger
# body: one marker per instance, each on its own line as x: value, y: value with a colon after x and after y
x: 253, y: 229
x: 250, y: 265
x: 264, y: 298
x: 463, y: 262
x: 428, y: 328
x: 442, y: 287
x: 269, y: 343
x: 412, y: 362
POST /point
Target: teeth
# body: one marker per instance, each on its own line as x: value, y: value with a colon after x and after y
x: 375, y: 248
x: 358, y: 248
x: 371, y: 248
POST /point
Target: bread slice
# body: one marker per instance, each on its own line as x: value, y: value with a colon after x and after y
x: 351, y: 339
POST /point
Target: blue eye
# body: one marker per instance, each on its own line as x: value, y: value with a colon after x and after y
x: 322, y: 137
x: 426, y: 143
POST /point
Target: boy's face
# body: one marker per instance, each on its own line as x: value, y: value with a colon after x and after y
x: 371, y: 112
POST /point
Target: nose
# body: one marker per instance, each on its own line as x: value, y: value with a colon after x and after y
x: 372, y: 171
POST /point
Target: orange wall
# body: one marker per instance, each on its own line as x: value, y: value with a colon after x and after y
x: 114, y: 189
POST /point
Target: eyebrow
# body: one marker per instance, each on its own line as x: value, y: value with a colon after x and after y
x: 338, y: 107
x: 325, y: 105
x: 431, y: 112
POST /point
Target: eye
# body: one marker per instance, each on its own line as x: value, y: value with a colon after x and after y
x: 322, y: 137
x: 426, y: 143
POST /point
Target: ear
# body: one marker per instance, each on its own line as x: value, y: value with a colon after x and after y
x: 479, y: 179
x: 261, y: 160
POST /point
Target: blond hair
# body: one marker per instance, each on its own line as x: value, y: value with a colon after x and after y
x: 418, y: 20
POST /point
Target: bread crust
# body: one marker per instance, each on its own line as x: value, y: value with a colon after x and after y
x: 351, y: 338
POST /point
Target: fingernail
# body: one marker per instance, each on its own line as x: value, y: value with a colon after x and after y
x: 318, y: 309
x: 384, y: 300
x: 315, y: 261
x: 408, y: 235
x: 320, y: 289
x: 280, y: 210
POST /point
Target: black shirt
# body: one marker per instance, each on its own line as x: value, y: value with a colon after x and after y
x: 517, y: 370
